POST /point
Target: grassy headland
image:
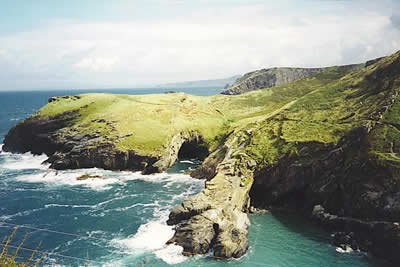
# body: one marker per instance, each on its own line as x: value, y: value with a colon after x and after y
x: 320, y: 109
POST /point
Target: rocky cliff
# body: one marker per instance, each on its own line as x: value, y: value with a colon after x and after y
x: 266, y: 78
x: 327, y: 146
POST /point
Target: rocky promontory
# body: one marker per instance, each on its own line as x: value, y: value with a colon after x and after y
x: 326, y: 146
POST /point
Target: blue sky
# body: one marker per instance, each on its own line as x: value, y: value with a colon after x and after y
x: 47, y: 44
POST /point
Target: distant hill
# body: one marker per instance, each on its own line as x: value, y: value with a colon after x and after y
x: 267, y: 78
x: 203, y: 83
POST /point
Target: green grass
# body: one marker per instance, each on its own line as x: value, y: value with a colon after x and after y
x: 319, y: 109
x: 142, y: 123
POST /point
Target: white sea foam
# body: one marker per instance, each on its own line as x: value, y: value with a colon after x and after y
x: 149, y: 237
x: 347, y: 250
x: 134, y: 205
x: 171, y: 254
x: 68, y: 206
x: 23, y: 161
x: 20, y: 214
x: 69, y: 177
x: 187, y: 161
x: 160, y: 178
x: 152, y: 237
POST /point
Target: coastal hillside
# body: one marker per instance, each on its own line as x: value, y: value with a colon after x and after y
x: 266, y: 78
x: 150, y: 127
x: 326, y: 145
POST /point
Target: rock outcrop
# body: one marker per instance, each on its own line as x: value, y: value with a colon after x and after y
x: 267, y: 78
x: 67, y: 148
x: 215, y: 219
x: 382, y: 238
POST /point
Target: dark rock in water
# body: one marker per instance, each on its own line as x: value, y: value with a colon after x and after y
x: 256, y: 211
x: 87, y: 176
x: 170, y: 92
x: 196, y: 236
x: 382, y: 238
x: 345, y: 240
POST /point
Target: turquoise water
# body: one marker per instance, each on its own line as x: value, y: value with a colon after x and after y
x: 120, y: 220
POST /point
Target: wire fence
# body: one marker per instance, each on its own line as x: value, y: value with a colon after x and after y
x: 53, y: 231
x: 50, y: 253
x: 49, y: 257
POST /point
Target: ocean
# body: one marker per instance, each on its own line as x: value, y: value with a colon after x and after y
x: 120, y: 220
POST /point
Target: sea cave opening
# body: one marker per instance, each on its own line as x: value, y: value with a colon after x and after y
x: 194, y: 148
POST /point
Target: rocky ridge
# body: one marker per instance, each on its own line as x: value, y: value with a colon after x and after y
x: 215, y: 218
x: 267, y: 78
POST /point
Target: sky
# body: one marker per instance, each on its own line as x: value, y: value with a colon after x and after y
x: 86, y: 44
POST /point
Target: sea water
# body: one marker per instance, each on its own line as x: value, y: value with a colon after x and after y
x: 121, y: 220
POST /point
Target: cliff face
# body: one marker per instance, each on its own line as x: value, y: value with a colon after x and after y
x: 267, y: 78
x: 335, y: 148
x: 145, y: 135
x: 326, y: 146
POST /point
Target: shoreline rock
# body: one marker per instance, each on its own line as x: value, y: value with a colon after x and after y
x: 215, y: 219
x: 69, y: 149
x: 381, y: 238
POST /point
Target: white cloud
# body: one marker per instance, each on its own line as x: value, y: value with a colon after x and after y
x: 207, y: 43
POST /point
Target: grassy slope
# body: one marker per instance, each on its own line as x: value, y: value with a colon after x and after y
x: 151, y: 119
x: 321, y: 108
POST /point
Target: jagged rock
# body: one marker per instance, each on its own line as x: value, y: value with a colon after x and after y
x: 318, y: 211
x: 382, y: 238
x: 345, y: 240
x: 215, y: 213
x: 207, y: 170
x: 195, y: 235
x: 87, y: 176
x: 257, y: 211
